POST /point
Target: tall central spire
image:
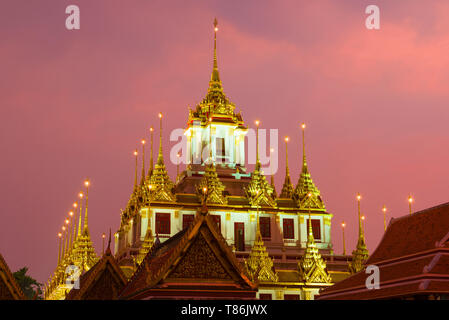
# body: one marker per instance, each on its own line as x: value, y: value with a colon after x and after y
x: 287, y: 188
x: 215, y: 75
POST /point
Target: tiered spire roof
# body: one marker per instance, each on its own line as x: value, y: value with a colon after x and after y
x: 160, y: 184
x: 305, y: 185
x: 287, y: 188
x: 258, y: 191
x: 215, y: 102
x: 312, y: 267
x: 259, y: 265
x: 360, y: 254
x: 211, y: 184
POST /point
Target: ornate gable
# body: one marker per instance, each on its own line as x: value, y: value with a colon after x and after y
x: 213, y: 186
x: 103, y: 281
x: 200, y: 262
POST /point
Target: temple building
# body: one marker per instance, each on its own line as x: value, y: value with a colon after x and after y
x: 282, y: 243
x: 412, y: 260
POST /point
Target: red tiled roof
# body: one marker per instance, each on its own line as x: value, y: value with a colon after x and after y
x: 413, y: 258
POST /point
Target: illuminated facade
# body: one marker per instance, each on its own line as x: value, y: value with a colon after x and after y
x: 283, y: 241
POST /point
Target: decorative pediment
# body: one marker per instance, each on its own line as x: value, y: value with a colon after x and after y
x: 200, y: 262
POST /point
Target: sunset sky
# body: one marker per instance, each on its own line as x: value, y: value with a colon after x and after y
x: 75, y: 104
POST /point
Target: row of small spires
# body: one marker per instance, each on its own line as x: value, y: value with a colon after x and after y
x: 67, y: 236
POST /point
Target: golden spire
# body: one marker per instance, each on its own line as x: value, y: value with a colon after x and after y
x: 135, y: 170
x: 259, y: 265
x: 59, y: 250
x: 312, y: 267
x: 67, y: 221
x: 258, y: 191
x: 161, y: 185
x: 384, y: 210
x: 343, y: 226
x: 215, y: 75
x: 272, y: 175
x: 160, y: 158
x: 360, y: 254
x: 210, y: 141
x: 257, y: 122
x: 287, y: 188
x: 86, y: 184
x: 75, y: 206
x: 64, y: 239
x: 410, y: 200
x: 142, y: 180
x: 150, y: 171
x: 305, y: 184
x: 80, y: 195
x: 71, y: 226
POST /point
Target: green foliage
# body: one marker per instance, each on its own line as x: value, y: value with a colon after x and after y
x: 30, y: 287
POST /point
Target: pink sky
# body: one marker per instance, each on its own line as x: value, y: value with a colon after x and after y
x: 76, y: 103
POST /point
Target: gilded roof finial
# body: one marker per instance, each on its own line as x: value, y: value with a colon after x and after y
x: 86, y: 184
x: 215, y: 74
x: 80, y: 195
x: 210, y: 140
x: 75, y: 206
x: 360, y: 254
x: 257, y: 122
x: 161, y: 185
x: 150, y: 171
x: 136, y: 153
x: 305, y: 184
x: 160, y: 158
x: 304, y: 161
x: 272, y: 174
x: 142, y: 180
x: 59, y: 250
x: 64, y: 239
x: 287, y: 188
